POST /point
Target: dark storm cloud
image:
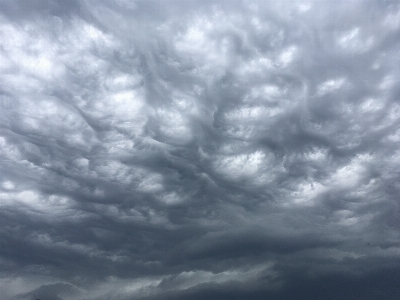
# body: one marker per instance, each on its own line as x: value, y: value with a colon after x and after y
x: 50, y: 292
x: 191, y: 149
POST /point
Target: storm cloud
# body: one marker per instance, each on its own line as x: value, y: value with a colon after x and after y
x: 199, y: 150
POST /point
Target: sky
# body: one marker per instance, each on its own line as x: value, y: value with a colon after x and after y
x: 199, y: 150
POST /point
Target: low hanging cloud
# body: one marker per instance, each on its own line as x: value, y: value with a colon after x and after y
x: 199, y: 149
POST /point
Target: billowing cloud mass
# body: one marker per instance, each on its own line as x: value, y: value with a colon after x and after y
x: 199, y: 150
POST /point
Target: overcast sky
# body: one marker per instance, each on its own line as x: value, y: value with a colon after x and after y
x: 199, y: 150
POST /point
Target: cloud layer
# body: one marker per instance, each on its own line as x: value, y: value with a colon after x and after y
x: 199, y: 149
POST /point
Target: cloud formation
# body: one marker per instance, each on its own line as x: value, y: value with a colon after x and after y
x: 199, y: 149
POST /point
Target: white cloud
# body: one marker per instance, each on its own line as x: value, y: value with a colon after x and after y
x: 151, y: 148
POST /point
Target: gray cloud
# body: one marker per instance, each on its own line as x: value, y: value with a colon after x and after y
x: 170, y: 149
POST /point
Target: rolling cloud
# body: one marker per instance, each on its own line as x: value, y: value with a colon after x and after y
x: 199, y: 150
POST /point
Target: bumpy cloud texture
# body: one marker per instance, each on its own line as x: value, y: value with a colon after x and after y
x: 199, y: 150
